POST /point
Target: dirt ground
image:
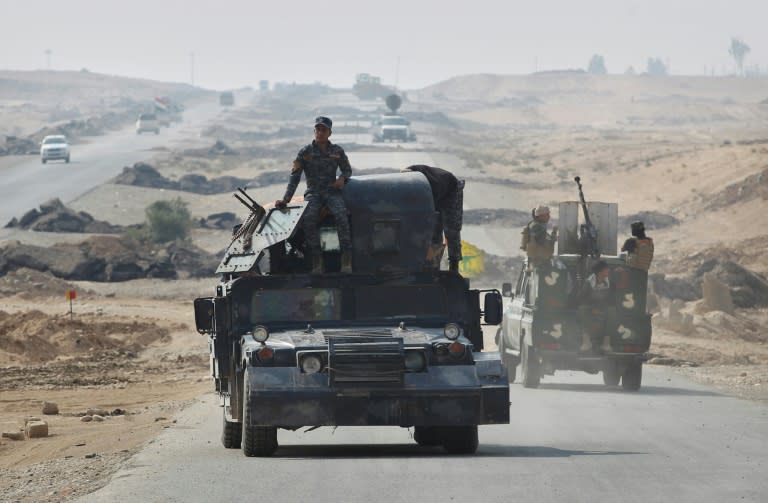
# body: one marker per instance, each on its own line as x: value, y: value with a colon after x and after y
x: 131, y: 348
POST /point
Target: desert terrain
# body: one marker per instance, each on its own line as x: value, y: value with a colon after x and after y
x: 687, y: 155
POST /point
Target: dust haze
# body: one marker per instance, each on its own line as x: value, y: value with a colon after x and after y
x: 659, y: 106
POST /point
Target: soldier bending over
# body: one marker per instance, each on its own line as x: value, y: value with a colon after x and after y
x: 319, y: 161
x: 446, y: 191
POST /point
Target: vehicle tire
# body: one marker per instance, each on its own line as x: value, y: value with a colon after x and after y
x: 611, y: 376
x: 231, y: 433
x: 460, y: 439
x: 258, y: 441
x: 67, y: 159
x: 530, y: 367
x: 44, y: 161
x: 633, y: 377
x: 426, y: 436
x: 157, y: 131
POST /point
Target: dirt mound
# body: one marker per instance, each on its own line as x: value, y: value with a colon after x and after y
x: 225, y: 220
x: 747, y: 288
x: 109, y: 258
x: 34, y: 336
x: 144, y: 175
x: 13, y: 145
x: 651, y: 219
x: 53, y: 216
x: 31, y: 284
x: 752, y: 187
x: 485, y: 216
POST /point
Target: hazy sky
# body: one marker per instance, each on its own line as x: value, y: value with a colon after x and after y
x: 236, y: 43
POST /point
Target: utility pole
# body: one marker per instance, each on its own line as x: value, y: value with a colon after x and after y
x: 192, y: 68
x: 47, y: 59
x: 397, y: 73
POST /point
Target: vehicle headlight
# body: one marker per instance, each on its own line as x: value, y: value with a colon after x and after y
x: 261, y: 334
x: 311, y: 364
x: 452, y: 331
x: 415, y: 361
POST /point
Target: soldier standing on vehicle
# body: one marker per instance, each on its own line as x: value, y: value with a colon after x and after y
x: 447, y: 195
x: 597, y: 310
x: 639, y: 247
x: 539, y: 244
x: 319, y: 161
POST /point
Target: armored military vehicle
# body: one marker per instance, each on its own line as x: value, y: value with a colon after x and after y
x: 396, y: 342
x: 544, y: 321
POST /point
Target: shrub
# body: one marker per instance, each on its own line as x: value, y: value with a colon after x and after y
x: 168, y: 220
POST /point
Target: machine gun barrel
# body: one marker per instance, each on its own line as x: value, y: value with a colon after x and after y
x: 257, y: 209
x: 588, y: 231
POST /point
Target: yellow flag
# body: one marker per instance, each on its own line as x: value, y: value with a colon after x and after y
x: 472, y: 263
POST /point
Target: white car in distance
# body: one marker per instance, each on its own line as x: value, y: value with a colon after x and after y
x: 147, y: 123
x: 54, y: 147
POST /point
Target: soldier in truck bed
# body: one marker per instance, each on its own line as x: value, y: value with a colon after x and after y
x: 596, y: 309
x: 538, y: 244
x: 446, y: 191
x: 320, y: 161
x: 639, y: 247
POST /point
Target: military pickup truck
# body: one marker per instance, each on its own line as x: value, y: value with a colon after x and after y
x: 544, y: 320
x: 396, y: 342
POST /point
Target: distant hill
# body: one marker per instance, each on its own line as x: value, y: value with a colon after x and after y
x: 31, y: 100
x: 576, y: 99
x: 48, y: 86
x: 575, y: 87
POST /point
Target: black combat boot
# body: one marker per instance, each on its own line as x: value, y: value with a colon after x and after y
x: 346, y: 261
x: 317, y: 264
x: 453, y: 265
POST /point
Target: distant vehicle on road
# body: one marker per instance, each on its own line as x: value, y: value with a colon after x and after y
x: 392, y: 128
x: 147, y: 123
x: 54, y: 147
x: 226, y: 99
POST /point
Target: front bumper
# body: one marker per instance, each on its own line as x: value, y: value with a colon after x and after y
x: 52, y: 155
x: 444, y: 396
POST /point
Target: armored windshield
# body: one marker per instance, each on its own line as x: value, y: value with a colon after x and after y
x: 305, y: 304
x: 369, y: 303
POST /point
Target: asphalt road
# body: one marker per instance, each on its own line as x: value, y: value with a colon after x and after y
x: 573, y: 439
x: 26, y: 183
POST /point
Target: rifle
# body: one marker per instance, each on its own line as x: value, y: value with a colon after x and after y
x: 587, y: 230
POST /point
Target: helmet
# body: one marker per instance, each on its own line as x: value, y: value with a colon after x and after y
x: 637, y: 226
x: 541, y: 211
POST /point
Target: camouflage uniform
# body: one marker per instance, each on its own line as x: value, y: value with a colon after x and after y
x: 320, y: 170
x: 597, y: 312
x: 540, y: 245
x: 448, y: 195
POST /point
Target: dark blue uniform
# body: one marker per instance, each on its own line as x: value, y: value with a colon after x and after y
x: 320, y: 170
x: 448, y: 194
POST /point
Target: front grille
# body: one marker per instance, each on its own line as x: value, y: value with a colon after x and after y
x: 365, y: 360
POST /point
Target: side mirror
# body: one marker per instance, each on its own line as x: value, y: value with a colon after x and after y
x: 204, y: 315
x: 492, y: 308
x: 506, y: 290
